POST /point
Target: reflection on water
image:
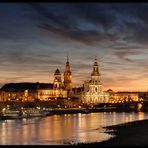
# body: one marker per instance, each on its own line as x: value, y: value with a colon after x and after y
x: 60, y: 129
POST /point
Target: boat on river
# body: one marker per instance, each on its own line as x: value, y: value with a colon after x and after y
x: 22, y: 114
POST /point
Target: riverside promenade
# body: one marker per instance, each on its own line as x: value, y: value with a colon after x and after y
x: 53, y: 108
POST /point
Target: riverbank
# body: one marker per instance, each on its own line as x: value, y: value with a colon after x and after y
x: 128, y: 134
x: 60, y: 104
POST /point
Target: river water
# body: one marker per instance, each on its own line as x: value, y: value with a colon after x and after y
x: 62, y: 129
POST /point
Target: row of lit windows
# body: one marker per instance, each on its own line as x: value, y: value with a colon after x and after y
x: 50, y: 92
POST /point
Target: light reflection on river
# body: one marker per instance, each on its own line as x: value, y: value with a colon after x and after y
x: 60, y: 129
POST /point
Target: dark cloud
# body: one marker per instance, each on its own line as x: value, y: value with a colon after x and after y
x: 90, y: 23
x: 88, y: 37
x: 98, y: 14
x: 125, y: 53
x: 61, y: 21
x: 67, y: 26
x: 112, y: 22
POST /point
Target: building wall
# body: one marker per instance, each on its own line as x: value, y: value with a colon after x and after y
x: 42, y: 94
x: 46, y: 94
x: 19, y: 95
x: 116, y: 97
x: 94, y: 98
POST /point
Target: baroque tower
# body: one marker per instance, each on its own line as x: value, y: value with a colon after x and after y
x: 93, y: 88
x: 68, y: 79
x: 95, y: 78
x: 95, y: 75
x: 57, y: 84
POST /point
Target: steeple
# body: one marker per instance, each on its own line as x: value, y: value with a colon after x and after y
x: 95, y: 68
x: 57, y: 84
x: 68, y: 78
x: 67, y: 68
x: 67, y: 58
x: 95, y: 75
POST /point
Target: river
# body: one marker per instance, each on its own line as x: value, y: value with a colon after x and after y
x: 62, y: 129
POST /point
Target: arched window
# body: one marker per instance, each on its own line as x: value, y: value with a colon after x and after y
x: 96, y: 89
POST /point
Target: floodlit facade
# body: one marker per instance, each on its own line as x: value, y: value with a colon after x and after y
x: 123, y: 97
x: 93, y: 93
x: 59, y: 89
x: 18, y: 92
x: 56, y: 91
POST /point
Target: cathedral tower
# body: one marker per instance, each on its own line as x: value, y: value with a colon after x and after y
x: 68, y: 79
x: 57, y: 84
x: 93, y: 93
x: 95, y: 77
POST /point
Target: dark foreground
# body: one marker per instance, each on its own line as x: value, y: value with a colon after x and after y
x: 129, y: 134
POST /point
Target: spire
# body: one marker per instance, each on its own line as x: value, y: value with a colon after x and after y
x: 95, y: 61
x: 67, y: 59
x: 95, y: 67
x: 68, y: 78
x: 57, y: 72
x: 67, y: 68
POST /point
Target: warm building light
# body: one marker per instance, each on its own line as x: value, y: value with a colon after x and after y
x: 4, y: 109
x: 38, y: 107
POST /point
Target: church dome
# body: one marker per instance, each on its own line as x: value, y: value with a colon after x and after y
x: 57, y: 72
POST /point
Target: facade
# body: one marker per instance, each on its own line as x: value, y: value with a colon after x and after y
x: 60, y: 89
x: 56, y: 90
x: 93, y: 93
x: 123, y: 97
x: 18, y: 92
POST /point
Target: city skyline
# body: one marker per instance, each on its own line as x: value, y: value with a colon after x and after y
x: 36, y: 38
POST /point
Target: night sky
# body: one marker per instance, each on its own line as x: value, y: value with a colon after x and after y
x: 35, y: 39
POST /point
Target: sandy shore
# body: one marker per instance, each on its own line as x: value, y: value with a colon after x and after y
x: 128, y: 134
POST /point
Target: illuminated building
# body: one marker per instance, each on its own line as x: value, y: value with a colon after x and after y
x: 93, y: 88
x: 56, y: 90
x: 57, y: 84
x: 123, y: 97
x: 18, y: 91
